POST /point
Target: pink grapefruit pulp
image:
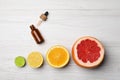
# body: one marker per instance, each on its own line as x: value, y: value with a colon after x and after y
x: 88, y: 52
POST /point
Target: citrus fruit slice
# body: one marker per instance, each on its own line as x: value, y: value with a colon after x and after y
x: 35, y: 59
x: 57, y: 56
x: 20, y: 61
x: 88, y: 52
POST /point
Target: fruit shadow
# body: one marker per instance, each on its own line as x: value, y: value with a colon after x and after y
x: 41, y: 67
x: 102, y: 65
x: 66, y: 66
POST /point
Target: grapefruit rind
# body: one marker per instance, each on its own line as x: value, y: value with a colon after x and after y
x: 56, y: 66
x: 88, y: 64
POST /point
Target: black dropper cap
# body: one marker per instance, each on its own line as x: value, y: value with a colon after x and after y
x: 46, y: 13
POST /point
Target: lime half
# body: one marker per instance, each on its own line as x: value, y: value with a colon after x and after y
x: 20, y: 61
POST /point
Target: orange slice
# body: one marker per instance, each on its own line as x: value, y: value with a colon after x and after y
x: 57, y: 56
x: 35, y: 59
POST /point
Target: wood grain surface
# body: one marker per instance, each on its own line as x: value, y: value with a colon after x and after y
x: 68, y: 21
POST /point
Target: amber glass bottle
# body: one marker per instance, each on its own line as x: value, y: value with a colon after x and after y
x: 36, y: 34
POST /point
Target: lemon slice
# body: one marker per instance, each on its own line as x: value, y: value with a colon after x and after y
x: 35, y: 59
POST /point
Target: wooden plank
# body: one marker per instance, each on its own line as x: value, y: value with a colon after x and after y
x: 68, y: 20
x: 60, y: 4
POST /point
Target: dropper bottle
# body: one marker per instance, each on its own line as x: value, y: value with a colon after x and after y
x: 42, y: 18
x: 35, y: 32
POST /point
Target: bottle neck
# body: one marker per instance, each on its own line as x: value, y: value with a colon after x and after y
x: 32, y: 27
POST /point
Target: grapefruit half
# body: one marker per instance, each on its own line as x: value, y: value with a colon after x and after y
x: 88, y: 52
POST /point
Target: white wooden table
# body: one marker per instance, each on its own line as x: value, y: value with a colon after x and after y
x: 68, y: 20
